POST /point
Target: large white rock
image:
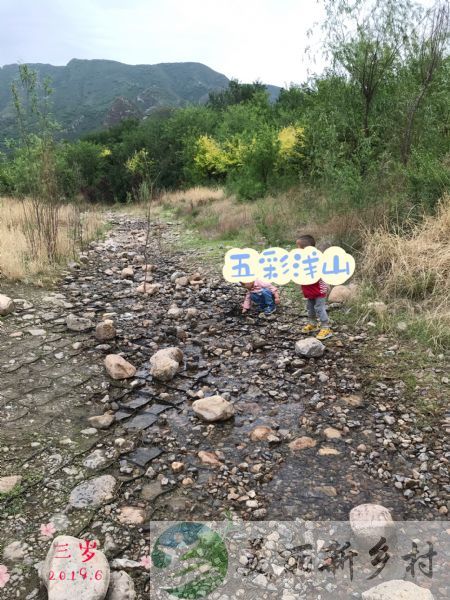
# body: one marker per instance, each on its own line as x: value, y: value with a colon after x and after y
x: 121, y: 587
x: 75, y: 323
x: 213, y: 408
x: 93, y: 587
x: 343, y: 293
x: 118, y: 367
x: 309, y: 347
x: 370, y: 522
x: 93, y: 492
x: 6, y: 305
x: 397, y: 589
x: 165, y: 363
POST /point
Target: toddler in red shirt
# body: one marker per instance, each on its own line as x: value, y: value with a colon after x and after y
x: 315, y: 294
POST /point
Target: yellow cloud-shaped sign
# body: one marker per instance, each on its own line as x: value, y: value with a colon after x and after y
x: 275, y: 265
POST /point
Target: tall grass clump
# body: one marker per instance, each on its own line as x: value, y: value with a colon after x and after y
x: 189, y: 202
x: 416, y: 266
x: 22, y: 259
x: 413, y: 271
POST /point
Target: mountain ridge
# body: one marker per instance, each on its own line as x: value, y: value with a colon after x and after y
x: 95, y: 93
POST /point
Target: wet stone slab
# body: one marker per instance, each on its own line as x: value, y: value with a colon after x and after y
x: 157, y: 409
x: 135, y: 403
x: 141, y: 421
x: 121, y: 415
x: 142, y: 456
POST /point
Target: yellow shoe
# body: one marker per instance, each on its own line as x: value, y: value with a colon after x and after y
x: 324, y: 333
x: 310, y: 327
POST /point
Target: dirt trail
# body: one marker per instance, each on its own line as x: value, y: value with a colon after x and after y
x: 53, y: 379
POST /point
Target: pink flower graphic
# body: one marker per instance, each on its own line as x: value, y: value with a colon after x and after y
x: 145, y: 562
x: 4, y: 576
x: 47, y: 530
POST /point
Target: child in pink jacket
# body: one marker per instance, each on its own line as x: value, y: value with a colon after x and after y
x: 264, y: 295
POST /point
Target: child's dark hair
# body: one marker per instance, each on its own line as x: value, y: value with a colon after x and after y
x: 308, y: 239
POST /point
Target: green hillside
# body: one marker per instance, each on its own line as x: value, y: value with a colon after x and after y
x: 89, y: 94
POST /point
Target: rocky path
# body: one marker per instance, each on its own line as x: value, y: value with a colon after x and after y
x: 310, y: 437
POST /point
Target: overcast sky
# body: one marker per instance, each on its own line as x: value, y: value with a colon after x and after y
x: 245, y: 39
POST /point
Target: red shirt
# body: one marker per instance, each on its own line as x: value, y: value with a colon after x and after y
x: 315, y: 290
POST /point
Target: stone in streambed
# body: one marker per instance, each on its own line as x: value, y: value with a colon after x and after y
x: 397, y: 589
x: 105, y: 331
x: 127, y: 273
x: 209, y: 458
x: 95, y: 460
x: 91, y: 588
x: 302, y: 443
x: 118, y: 367
x: 80, y: 324
x: 93, y: 492
x: 213, y: 408
x: 102, y: 421
x: 332, y: 434
x: 6, y: 305
x: 148, y: 288
x: 263, y: 433
x: 371, y: 522
x: 309, y: 347
x: 182, y: 281
x: 174, y: 312
x: 165, y: 363
x: 326, y: 451
x: 121, y: 587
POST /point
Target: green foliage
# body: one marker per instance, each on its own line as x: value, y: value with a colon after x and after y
x: 86, y: 92
x: 428, y: 178
x: 235, y: 93
x: 373, y: 127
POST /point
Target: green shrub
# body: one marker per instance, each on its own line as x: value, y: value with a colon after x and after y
x: 428, y: 179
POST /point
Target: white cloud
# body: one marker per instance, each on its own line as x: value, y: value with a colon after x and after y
x: 247, y: 39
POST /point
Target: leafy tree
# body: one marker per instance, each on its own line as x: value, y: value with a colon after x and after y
x: 235, y: 93
x: 430, y: 56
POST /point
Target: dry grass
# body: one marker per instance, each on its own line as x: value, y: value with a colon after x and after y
x: 225, y: 219
x: 274, y: 220
x: 414, y: 272
x: 19, y: 260
x: 416, y: 267
x: 188, y: 201
x: 215, y: 215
